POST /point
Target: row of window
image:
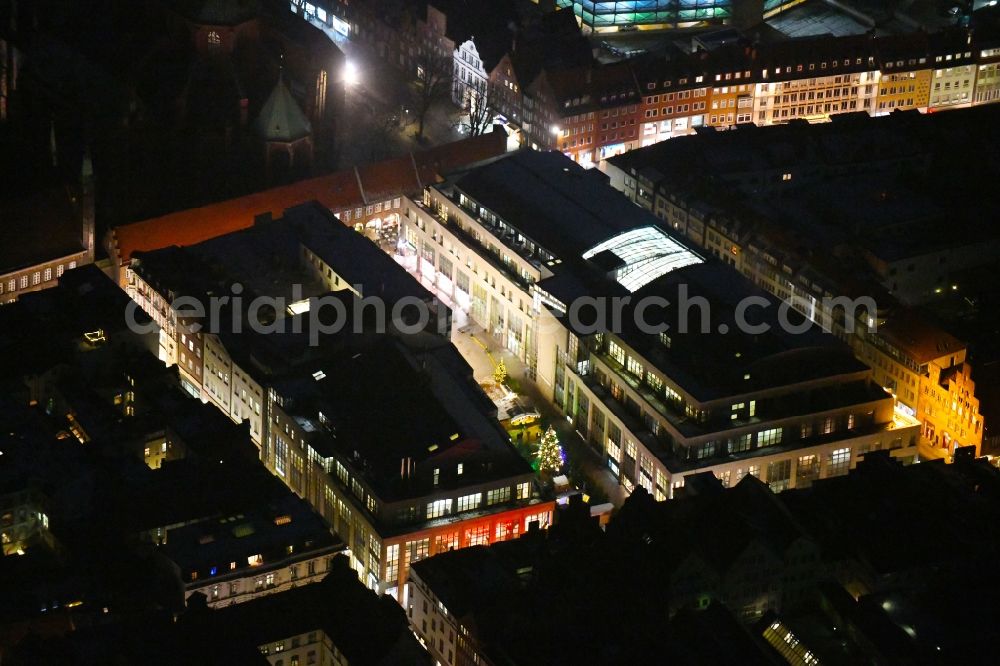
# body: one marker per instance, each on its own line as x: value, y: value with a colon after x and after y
x: 444, y: 507
x: 34, y: 278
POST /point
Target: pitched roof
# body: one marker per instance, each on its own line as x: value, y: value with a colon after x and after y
x: 336, y: 191
x: 280, y: 118
x: 195, y: 225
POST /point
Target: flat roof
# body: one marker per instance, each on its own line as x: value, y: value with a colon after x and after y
x: 266, y: 259
x: 550, y: 199
x: 267, y: 531
x: 381, y: 402
x: 723, y: 360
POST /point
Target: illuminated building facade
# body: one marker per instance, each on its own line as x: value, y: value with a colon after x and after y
x: 591, y: 113
x: 740, y: 217
x: 628, y: 396
x: 514, y: 268
x: 597, y: 16
x: 23, y: 521
x: 953, y: 83
x: 927, y: 372
x: 51, y: 231
x: 400, y: 478
x: 988, y: 76
x: 733, y: 84
x: 261, y: 552
x: 675, y: 100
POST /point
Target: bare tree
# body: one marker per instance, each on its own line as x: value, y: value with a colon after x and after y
x: 434, y: 74
x: 481, y: 104
x: 382, y: 132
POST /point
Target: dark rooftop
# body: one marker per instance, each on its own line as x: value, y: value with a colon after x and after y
x: 381, y: 403
x: 552, y: 200
x: 712, y: 364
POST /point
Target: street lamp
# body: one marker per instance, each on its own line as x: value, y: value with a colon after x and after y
x: 555, y: 129
x: 350, y: 73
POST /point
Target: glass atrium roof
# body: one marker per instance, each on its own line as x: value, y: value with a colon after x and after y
x: 647, y: 253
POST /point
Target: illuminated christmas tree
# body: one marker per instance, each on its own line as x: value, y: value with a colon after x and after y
x: 500, y: 373
x: 550, y: 454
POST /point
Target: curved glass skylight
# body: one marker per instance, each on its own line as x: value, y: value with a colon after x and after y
x: 647, y: 253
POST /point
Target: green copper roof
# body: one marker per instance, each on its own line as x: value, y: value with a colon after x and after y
x: 281, y: 119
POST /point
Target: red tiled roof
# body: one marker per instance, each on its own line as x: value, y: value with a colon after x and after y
x: 431, y: 164
x: 188, y: 227
x: 337, y: 191
x: 388, y: 178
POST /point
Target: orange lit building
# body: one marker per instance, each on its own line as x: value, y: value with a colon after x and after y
x: 479, y: 531
x: 588, y: 113
x: 925, y: 369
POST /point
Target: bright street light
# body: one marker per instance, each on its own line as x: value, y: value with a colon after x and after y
x: 350, y: 73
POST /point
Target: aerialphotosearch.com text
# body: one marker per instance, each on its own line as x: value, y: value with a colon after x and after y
x: 336, y: 312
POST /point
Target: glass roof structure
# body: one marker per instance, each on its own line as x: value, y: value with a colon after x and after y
x: 647, y: 253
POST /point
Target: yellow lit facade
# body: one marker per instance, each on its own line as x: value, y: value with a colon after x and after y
x: 936, y: 388
x: 904, y: 90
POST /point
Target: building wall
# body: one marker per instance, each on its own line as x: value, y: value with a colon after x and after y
x: 449, y: 641
x: 477, y: 530
x: 190, y: 358
x: 730, y: 105
x: 948, y: 407
x: 238, y: 582
x: 313, y: 647
x: 988, y: 77
x: 478, y: 513
x: 952, y: 86
x: 628, y: 420
x: 38, y: 276
x: 469, y: 77
x: 463, y: 259
x: 914, y: 385
x: 816, y: 97
x: 903, y: 90
x: 23, y: 521
x: 159, y: 309
x: 372, y: 216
